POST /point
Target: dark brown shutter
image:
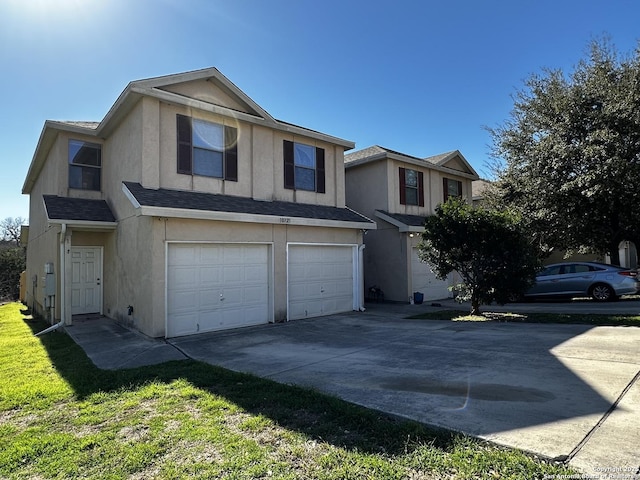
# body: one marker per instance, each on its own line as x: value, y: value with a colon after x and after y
x: 459, y: 188
x: 445, y: 187
x: 320, y: 182
x: 289, y: 168
x: 420, y: 189
x: 403, y: 187
x: 231, y: 153
x: 184, y: 144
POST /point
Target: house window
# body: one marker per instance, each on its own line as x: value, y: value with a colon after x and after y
x: 452, y: 188
x: 85, y: 163
x: 411, y: 187
x: 303, y: 167
x: 207, y: 149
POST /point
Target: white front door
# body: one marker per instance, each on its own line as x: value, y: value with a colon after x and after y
x: 86, y: 280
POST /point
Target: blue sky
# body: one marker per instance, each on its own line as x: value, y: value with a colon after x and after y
x: 420, y: 76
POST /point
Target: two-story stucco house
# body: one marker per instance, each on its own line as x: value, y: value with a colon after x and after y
x: 188, y: 208
x: 398, y: 191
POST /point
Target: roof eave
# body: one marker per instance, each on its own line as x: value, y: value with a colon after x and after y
x: 46, y: 140
x: 170, y: 212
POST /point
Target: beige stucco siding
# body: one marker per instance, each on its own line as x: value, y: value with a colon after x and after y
x: 366, y: 188
x: 260, y: 162
x: 206, y: 91
x: 142, y: 277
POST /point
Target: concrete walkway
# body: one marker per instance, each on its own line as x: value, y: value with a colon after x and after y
x: 569, y: 392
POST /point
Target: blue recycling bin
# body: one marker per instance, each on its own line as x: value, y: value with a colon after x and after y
x: 418, y: 298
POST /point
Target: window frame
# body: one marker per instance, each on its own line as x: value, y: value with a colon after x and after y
x: 445, y: 187
x: 84, y: 168
x: 402, y: 175
x: 291, y: 165
x: 187, y: 146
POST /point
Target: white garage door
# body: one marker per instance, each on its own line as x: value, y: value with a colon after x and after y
x: 320, y: 280
x: 216, y: 286
x: 424, y: 280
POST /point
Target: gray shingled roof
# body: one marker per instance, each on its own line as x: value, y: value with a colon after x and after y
x: 166, y: 198
x: 375, y: 150
x: 77, y: 209
x: 410, y: 220
x: 91, y: 125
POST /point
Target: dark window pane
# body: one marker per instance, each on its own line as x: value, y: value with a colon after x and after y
x: 85, y: 178
x: 84, y: 153
x: 207, y: 163
x: 305, y: 179
x: 411, y: 179
x: 412, y: 196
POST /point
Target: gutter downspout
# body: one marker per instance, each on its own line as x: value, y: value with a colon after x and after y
x: 361, y: 275
x: 63, y: 234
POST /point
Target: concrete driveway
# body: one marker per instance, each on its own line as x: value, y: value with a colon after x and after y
x: 563, y: 391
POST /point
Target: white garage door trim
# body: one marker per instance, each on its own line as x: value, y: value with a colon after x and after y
x: 247, y: 297
x: 322, y: 298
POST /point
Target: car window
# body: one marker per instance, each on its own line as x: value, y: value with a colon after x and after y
x: 552, y: 270
x: 581, y: 269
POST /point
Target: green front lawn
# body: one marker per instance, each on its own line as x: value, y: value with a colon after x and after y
x: 60, y: 417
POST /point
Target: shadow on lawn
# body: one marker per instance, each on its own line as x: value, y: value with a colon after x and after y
x: 316, y: 415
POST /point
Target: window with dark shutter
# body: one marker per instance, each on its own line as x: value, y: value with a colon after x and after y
x: 207, y: 149
x: 304, y: 167
x: 184, y: 144
x: 452, y: 188
x: 231, y: 153
x: 411, y: 187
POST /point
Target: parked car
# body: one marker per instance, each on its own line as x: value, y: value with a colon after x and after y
x: 600, y: 281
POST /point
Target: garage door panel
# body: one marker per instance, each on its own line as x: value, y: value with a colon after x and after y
x: 320, y: 280
x: 424, y: 280
x: 216, y: 288
x: 209, y: 278
x: 183, y: 277
x: 182, y: 255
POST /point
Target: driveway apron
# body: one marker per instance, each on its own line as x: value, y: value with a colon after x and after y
x: 569, y: 392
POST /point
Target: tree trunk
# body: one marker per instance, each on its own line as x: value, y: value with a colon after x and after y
x: 475, y: 303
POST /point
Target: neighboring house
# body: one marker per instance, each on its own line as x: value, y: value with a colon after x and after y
x: 398, y: 191
x: 188, y: 209
x: 477, y: 191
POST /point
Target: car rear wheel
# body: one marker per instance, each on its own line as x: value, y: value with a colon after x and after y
x: 601, y: 292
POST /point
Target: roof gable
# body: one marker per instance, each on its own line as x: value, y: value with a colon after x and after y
x: 208, y: 85
x: 451, y: 162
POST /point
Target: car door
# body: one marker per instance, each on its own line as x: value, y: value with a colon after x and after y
x: 576, y: 278
x: 547, y: 281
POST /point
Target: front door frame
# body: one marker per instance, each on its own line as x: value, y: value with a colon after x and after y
x: 99, y: 280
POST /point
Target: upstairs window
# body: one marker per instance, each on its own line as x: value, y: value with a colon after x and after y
x: 411, y: 187
x: 85, y: 163
x: 452, y: 188
x: 207, y: 149
x: 303, y: 167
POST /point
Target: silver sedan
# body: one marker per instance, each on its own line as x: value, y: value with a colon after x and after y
x: 600, y: 281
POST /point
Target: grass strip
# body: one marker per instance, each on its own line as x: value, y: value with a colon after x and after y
x: 537, y: 317
x: 61, y: 417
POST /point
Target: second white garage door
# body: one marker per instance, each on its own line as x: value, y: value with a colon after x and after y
x: 320, y: 280
x: 216, y: 286
x: 424, y: 280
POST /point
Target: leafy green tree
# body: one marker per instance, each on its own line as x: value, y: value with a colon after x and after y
x: 12, y: 257
x: 12, y: 263
x: 568, y: 158
x: 487, y: 248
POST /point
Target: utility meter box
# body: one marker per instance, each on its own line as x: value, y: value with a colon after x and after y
x: 50, y: 284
